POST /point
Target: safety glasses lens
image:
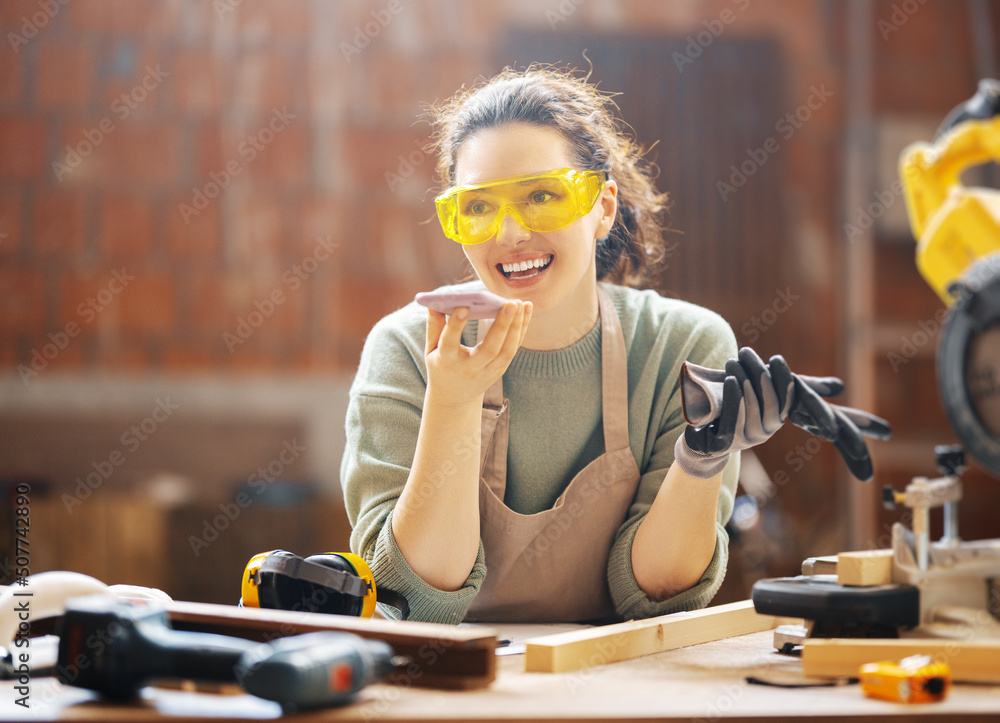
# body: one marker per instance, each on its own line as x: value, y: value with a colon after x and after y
x: 543, y: 203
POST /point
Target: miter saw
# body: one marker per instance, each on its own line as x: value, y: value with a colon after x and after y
x: 949, y: 587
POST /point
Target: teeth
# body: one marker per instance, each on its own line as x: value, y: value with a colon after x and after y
x: 525, y: 265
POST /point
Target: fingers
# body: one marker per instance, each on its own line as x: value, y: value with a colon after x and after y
x: 824, y: 386
x: 435, y: 325
x: 717, y: 436
x: 733, y: 415
x: 701, y: 393
x: 504, y: 337
x: 811, y: 410
x: 868, y: 424
x: 852, y: 447
x: 768, y: 409
x: 528, y: 308
x: 860, y: 467
x: 512, y: 340
x: 784, y: 385
x: 451, y: 337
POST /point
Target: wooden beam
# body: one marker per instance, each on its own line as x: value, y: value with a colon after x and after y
x: 970, y: 661
x: 865, y: 568
x: 564, y: 652
x: 441, y: 656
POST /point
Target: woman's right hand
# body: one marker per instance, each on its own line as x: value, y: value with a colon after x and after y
x: 458, y: 374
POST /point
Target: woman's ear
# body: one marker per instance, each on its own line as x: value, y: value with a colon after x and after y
x: 609, y: 207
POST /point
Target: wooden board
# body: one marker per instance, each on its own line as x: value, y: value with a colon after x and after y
x: 970, y: 661
x: 865, y: 567
x: 564, y: 652
x: 441, y: 656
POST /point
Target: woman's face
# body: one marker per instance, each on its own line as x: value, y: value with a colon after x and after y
x: 564, y: 273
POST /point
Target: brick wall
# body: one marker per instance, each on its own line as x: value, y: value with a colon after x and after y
x: 228, y: 156
x: 192, y: 187
x: 233, y: 158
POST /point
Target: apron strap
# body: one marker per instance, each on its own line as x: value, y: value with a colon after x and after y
x: 614, y: 375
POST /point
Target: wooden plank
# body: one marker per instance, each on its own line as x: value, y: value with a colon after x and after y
x: 865, y: 567
x: 823, y: 565
x: 564, y: 652
x: 970, y: 661
x: 441, y: 656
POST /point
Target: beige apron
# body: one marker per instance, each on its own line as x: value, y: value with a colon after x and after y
x: 552, y: 566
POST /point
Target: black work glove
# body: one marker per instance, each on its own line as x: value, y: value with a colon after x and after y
x: 741, y: 407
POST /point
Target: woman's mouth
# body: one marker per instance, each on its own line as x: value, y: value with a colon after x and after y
x: 525, y: 269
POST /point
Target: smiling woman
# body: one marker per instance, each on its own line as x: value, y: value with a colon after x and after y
x: 522, y: 469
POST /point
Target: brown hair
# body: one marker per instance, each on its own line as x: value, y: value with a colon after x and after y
x: 551, y: 97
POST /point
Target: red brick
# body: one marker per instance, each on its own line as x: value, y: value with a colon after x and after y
x: 147, y: 304
x: 201, y: 81
x: 375, y: 158
x: 283, y: 156
x: 194, y: 234
x: 11, y: 83
x: 150, y: 18
x: 59, y: 224
x: 329, y: 85
x: 145, y: 154
x: 324, y: 217
x: 64, y: 76
x: 215, y: 150
x: 89, y: 299
x: 27, y: 19
x: 22, y: 148
x: 358, y: 303
x: 223, y: 304
x: 10, y: 226
x: 259, y: 226
x: 402, y: 86
x: 126, y: 227
x: 22, y: 303
x: 264, y: 81
x: 215, y: 296
x: 262, y: 20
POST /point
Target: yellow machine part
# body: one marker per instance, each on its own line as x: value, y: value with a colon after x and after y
x: 954, y: 224
x: 250, y: 597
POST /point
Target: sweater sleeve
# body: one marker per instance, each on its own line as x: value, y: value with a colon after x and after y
x: 707, y: 340
x: 383, y: 419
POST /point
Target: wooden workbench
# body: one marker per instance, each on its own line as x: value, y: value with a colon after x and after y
x: 703, y: 683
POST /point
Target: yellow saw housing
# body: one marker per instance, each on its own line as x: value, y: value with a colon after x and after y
x: 954, y: 225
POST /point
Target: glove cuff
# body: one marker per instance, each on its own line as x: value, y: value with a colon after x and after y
x: 697, y: 464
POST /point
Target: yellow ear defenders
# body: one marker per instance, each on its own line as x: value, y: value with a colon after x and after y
x: 340, y: 583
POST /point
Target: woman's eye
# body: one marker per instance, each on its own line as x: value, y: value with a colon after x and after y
x: 541, y: 196
x: 476, y: 208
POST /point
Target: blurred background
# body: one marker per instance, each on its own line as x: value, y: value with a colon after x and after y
x: 205, y: 206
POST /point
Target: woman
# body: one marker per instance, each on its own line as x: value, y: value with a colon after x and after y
x: 524, y: 470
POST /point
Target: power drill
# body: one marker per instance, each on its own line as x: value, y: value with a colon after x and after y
x: 115, y: 648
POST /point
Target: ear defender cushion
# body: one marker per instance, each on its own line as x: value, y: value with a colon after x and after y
x: 335, y: 583
x: 321, y: 583
x: 331, y: 601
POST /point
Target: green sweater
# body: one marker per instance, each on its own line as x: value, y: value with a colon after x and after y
x: 555, y: 431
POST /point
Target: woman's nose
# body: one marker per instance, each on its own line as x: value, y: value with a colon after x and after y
x: 511, y: 231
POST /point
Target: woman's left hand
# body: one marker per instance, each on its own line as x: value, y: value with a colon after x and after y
x: 744, y: 405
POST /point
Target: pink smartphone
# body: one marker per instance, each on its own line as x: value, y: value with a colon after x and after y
x: 481, y: 304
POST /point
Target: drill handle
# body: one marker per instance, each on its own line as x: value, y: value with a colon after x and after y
x: 196, y: 656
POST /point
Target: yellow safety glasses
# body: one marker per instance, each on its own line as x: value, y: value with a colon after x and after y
x: 540, y: 202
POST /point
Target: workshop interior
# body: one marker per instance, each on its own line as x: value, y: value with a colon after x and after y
x: 206, y: 206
